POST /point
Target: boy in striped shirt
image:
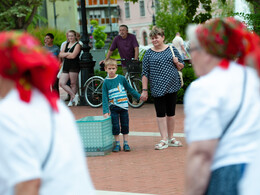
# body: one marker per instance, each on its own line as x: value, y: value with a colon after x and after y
x: 114, y: 98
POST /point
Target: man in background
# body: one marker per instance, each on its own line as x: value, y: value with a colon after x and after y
x: 177, y: 42
x: 55, y: 50
x: 127, y: 45
x: 48, y: 44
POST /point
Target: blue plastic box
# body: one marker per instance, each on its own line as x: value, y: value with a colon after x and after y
x: 96, y: 135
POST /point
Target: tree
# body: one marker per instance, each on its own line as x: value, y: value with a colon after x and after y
x: 174, y: 15
x: 192, y: 5
x: 171, y: 17
x: 225, y: 9
x: 99, y: 35
x: 17, y: 14
x: 254, y: 17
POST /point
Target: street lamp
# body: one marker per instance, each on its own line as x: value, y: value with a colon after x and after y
x: 153, y: 8
x: 86, y: 63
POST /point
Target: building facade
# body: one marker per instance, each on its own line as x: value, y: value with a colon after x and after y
x: 138, y: 18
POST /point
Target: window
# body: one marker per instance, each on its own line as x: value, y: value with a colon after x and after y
x: 142, y: 8
x: 127, y: 10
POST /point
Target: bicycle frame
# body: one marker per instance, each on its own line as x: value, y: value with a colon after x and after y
x: 93, y: 90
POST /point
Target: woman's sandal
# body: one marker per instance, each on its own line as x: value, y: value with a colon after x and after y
x: 174, y: 143
x: 162, y: 145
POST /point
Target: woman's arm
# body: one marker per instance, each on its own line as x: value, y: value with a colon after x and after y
x: 136, y: 53
x: 63, y: 54
x: 144, y: 94
x: 75, y: 52
x: 199, y: 159
x: 30, y: 187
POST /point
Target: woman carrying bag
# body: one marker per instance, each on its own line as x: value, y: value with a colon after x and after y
x: 160, y: 69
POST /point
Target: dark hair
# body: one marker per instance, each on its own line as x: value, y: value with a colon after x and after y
x: 50, y: 35
x: 123, y: 25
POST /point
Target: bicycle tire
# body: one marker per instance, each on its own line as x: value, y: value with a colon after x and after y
x: 136, y: 84
x: 93, y: 91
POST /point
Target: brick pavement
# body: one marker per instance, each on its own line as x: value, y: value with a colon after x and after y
x: 143, y: 170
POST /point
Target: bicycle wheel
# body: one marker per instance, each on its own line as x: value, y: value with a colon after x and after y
x: 137, y: 85
x: 93, y: 91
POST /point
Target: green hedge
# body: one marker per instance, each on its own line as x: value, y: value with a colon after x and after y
x: 188, y: 77
x: 39, y: 33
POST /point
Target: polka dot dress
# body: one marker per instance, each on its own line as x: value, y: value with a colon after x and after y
x: 162, y: 73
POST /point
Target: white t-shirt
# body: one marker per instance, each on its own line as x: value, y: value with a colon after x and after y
x: 210, y: 103
x: 249, y: 184
x: 177, y: 42
x: 26, y: 133
x: 63, y: 45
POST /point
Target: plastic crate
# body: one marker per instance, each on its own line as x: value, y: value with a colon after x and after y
x: 96, y: 135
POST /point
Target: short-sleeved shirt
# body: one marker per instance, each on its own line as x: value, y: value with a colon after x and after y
x: 126, y: 47
x: 178, y: 42
x: 210, y: 103
x: 162, y: 73
x: 53, y: 49
x: 26, y: 133
x: 114, y: 93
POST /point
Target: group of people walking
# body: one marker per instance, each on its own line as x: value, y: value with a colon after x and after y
x: 41, y: 152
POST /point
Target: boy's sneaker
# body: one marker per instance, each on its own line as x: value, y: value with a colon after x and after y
x: 127, y: 148
x: 117, y: 148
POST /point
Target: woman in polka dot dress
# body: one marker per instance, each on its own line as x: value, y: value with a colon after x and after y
x: 159, y: 68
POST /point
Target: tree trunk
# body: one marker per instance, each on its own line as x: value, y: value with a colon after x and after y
x: 28, y: 22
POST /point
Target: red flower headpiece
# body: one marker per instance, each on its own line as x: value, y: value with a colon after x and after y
x: 227, y: 38
x: 26, y: 62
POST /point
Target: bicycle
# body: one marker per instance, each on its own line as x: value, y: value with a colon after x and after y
x: 93, y: 86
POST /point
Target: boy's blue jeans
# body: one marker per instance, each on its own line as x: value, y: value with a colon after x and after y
x: 122, y: 114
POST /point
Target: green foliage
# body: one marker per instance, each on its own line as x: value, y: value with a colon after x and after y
x: 115, y: 52
x: 226, y: 8
x: 188, y: 77
x: 180, y: 96
x: 192, y: 5
x: 99, y: 35
x: 253, y: 18
x: 171, y: 17
x: 202, y: 17
x: 141, y: 54
x: 59, y: 36
x: 17, y: 14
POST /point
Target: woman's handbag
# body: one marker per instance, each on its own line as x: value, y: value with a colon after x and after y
x: 60, y: 71
x: 179, y: 68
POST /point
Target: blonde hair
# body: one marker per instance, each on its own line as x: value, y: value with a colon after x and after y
x: 156, y: 31
x: 110, y: 62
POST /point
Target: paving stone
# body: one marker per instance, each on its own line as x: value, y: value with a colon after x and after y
x: 143, y: 170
